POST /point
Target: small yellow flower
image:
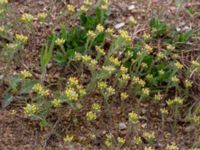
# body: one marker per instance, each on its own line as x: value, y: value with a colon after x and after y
x: 148, y: 148
x: 91, y: 34
x: 149, y: 136
x: 109, y: 69
x: 102, y: 85
x: 178, y: 65
x: 146, y: 36
x: 170, y: 47
x: 71, y: 94
x: 3, y: 2
x: 100, y: 50
x: 86, y: 58
x: 56, y: 102
x: 124, y: 96
x: 148, y: 48
x: 68, y: 138
x: 2, y: 29
x: 70, y: 8
x: 27, y: 18
x: 137, y: 140
x: 158, y: 97
x: 40, y: 90
x: 91, y: 116
x: 175, y: 79
x: 73, y: 81
x: 25, y: 74
x: 60, y: 41
x: 149, y: 77
x: 88, y: 3
x: 137, y: 80
x: 109, y: 31
x: 172, y: 147
x: 164, y: 111
x: 114, y: 61
x: 96, y: 107
x: 133, y: 118
x: 84, y: 8
x: 99, y: 28
x: 21, y: 38
x: 125, y: 36
x: 144, y: 65
x: 125, y: 77
x: 161, y: 72
x: 123, y: 70
x: 30, y: 109
x: 175, y: 102
x: 132, y: 21
x: 160, y: 55
x: 110, y: 91
x: 188, y: 83
x: 145, y: 91
x: 42, y: 16
x: 196, y: 64
x: 77, y: 56
x: 121, y: 141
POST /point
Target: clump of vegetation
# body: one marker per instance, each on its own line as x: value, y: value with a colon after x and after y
x: 109, y: 69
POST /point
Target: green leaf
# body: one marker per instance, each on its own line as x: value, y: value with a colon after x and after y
x: 14, y: 82
x: 27, y: 86
x: 158, y: 27
x: 7, y: 99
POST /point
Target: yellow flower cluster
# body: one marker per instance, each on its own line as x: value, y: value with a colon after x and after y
x: 60, y: 41
x: 109, y: 31
x: 102, y: 85
x: 175, y: 102
x: 100, y: 51
x: 132, y: 20
x: 73, y: 81
x: 164, y: 111
x: 174, y: 79
x: 77, y: 56
x: 3, y: 2
x: 12, y: 46
x: 30, y: 109
x: 170, y: 47
x: 178, y: 65
x: 196, y: 64
x: 121, y: 141
x: 114, y: 61
x: 137, y: 140
x: 91, y: 116
x: 99, y: 28
x: 27, y: 18
x: 160, y: 55
x: 86, y: 59
x: 68, y: 138
x: 146, y: 36
x: 133, y: 118
x: 148, y: 48
x: 42, y: 16
x: 56, y: 102
x: 40, y: 90
x: 158, y: 97
x: 71, y: 94
x: 96, y: 107
x: 21, y: 38
x: 74, y: 91
x: 91, y: 34
x: 25, y: 74
x: 123, y: 70
x: 149, y: 77
x: 172, y: 147
x: 188, y: 83
x: 137, y: 80
x: 149, y: 136
x: 2, y: 29
x: 70, y: 8
x: 109, y: 69
x: 110, y: 91
x: 125, y: 36
x: 124, y: 96
x: 148, y: 148
x: 104, y: 5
